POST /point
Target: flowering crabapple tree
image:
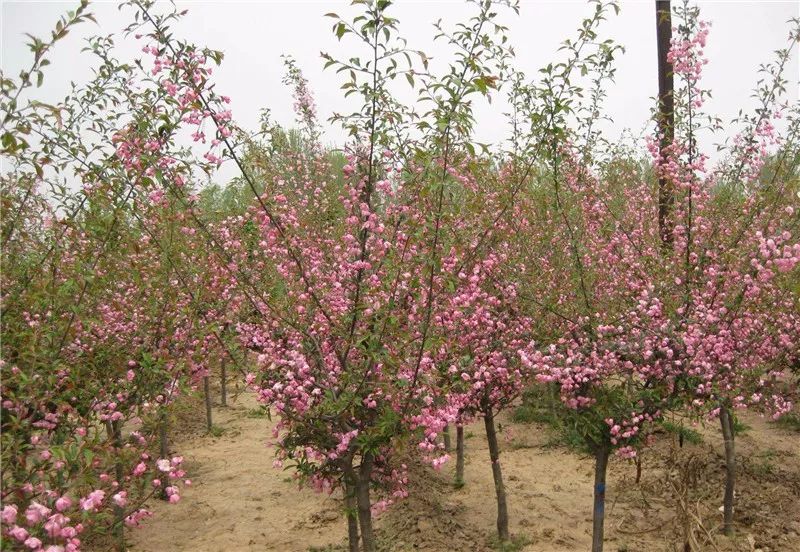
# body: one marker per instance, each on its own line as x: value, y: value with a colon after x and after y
x: 735, y: 247
x: 647, y: 327
x: 99, y: 336
x: 479, y: 323
x: 487, y: 330
x: 344, y: 333
x: 610, y: 361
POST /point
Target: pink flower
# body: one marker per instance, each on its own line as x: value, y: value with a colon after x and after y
x: 140, y: 468
x: 33, y: 543
x: 93, y: 501
x: 120, y: 499
x: 172, y: 493
x: 9, y: 514
x: 54, y: 524
x: 18, y: 533
x: 36, y: 513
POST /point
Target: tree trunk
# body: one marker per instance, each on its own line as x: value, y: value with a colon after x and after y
x: 555, y: 400
x: 114, y: 430
x: 163, y: 443
x: 207, y: 392
x: 364, y: 504
x: 666, y: 117
x: 500, y: 489
x: 351, y: 504
x: 726, y: 420
x: 598, y: 517
x: 446, y: 437
x: 638, y: 461
x: 224, y: 382
x: 459, y: 455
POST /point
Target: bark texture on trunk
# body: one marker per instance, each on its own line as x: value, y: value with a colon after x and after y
x: 497, y: 474
x: 638, y: 461
x: 207, y: 393
x: 351, y: 504
x: 163, y: 443
x: 726, y: 421
x: 459, y: 455
x: 598, y: 516
x: 115, y: 433
x: 666, y: 116
x: 364, y: 503
x: 223, y: 376
x: 446, y: 438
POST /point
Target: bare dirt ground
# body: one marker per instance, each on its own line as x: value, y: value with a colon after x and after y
x: 238, y: 501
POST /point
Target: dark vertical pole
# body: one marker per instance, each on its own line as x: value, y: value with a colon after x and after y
x: 666, y: 116
x: 207, y: 393
x: 224, y: 382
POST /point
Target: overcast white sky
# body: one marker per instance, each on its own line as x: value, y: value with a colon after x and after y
x: 254, y: 34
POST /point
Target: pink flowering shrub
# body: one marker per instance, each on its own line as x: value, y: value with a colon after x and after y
x: 373, y: 296
x: 704, y: 322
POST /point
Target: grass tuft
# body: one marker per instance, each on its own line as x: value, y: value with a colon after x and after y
x: 258, y: 412
x: 517, y: 543
x: 790, y: 421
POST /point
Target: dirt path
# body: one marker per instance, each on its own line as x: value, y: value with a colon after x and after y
x: 238, y: 501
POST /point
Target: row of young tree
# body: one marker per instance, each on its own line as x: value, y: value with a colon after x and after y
x: 376, y: 296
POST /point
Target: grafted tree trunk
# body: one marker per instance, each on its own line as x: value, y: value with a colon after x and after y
x: 351, y: 504
x: 598, y: 516
x: 638, y: 461
x: 497, y: 474
x: 223, y: 376
x: 163, y: 443
x: 364, y: 504
x: 207, y: 393
x: 726, y: 421
x: 114, y: 430
x: 459, y: 455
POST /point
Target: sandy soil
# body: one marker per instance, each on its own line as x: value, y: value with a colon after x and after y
x: 238, y: 501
